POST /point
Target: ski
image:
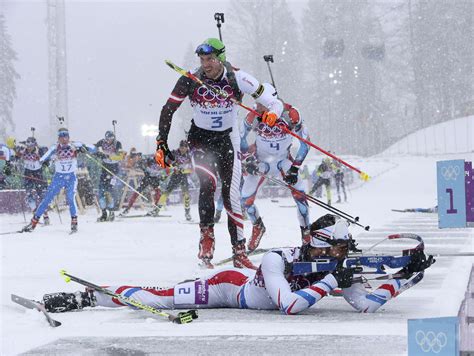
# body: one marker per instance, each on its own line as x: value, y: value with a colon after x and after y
x: 31, y: 304
x: 416, y: 210
x: 258, y: 251
x: 143, y: 216
x: 181, y: 318
x: 192, y: 222
x: 12, y: 232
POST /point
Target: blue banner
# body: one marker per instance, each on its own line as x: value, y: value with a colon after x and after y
x: 434, y: 336
x: 451, y: 194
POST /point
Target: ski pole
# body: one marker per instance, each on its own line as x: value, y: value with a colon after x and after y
x: 224, y: 94
x: 22, y: 205
x: 31, y: 178
x: 316, y: 201
x: 56, y: 203
x: 362, y: 175
x: 114, y: 122
x: 120, y: 179
x: 269, y: 58
x: 181, y: 318
x: 32, y: 131
x: 219, y: 17
x: 340, y: 213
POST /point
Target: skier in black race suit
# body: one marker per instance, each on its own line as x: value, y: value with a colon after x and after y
x: 214, y: 140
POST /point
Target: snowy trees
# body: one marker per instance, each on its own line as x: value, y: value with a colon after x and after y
x: 8, y: 75
x: 364, y: 73
x: 344, y: 52
x: 442, y: 38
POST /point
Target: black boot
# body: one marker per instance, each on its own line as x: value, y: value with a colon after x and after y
x: 103, y: 217
x: 73, y: 224
x: 111, y: 216
x: 63, y: 302
x: 187, y: 214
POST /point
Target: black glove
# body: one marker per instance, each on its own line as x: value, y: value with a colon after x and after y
x: 163, y: 155
x: 7, y: 170
x: 250, y: 165
x: 45, y: 164
x: 101, y: 155
x: 418, y: 262
x: 291, y: 176
x: 83, y: 149
x: 343, y: 276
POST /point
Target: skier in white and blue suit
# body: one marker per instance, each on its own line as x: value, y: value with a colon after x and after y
x: 64, y: 154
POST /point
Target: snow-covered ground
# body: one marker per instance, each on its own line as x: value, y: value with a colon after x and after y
x: 162, y: 251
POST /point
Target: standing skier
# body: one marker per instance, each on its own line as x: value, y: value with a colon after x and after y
x: 64, y: 154
x: 273, y: 158
x: 183, y: 167
x: 213, y: 138
x: 324, y: 172
x: 7, y: 155
x: 110, y: 151
x: 339, y: 178
x: 154, y: 176
x: 33, y: 179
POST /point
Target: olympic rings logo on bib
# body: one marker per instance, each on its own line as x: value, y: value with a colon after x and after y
x: 267, y: 131
x: 431, y: 342
x: 209, y: 95
x: 450, y: 172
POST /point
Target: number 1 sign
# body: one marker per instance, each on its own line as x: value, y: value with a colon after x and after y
x: 454, y: 200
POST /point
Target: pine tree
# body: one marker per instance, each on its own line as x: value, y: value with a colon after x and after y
x: 8, y: 75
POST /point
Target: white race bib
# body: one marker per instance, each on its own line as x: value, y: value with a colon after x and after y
x: 194, y: 292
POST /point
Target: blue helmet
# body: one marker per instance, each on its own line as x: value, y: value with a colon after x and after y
x: 63, y: 132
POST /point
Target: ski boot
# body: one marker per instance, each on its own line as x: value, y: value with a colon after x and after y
x: 62, y: 302
x: 31, y: 226
x: 73, y: 224
x: 206, y: 246
x: 305, y: 235
x: 240, y: 257
x: 125, y: 212
x: 217, y: 217
x: 338, y: 200
x: 111, y: 216
x: 187, y: 214
x: 155, y: 212
x: 257, y: 232
x: 103, y: 217
x: 46, y: 221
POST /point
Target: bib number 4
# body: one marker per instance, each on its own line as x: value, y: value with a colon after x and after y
x: 275, y: 145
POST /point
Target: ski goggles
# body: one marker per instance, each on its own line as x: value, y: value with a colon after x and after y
x: 63, y: 133
x: 320, y: 241
x: 208, y: 49
x: 30, y: 142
